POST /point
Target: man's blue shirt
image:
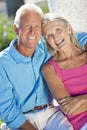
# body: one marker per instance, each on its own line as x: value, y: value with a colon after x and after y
x: 21, y: 83
x: 82, y: 38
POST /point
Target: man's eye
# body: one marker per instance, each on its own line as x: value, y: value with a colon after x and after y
x: 26, y: 28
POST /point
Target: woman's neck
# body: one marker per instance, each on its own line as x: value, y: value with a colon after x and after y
x: 70, y: 52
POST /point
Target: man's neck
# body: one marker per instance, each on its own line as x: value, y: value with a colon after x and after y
x: 24, y: 51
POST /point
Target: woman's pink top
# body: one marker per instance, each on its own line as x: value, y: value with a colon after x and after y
x: 75, y: 81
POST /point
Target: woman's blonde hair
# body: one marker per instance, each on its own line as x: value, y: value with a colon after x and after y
x: 50, y: 17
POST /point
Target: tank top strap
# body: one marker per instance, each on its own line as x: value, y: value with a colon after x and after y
x: 56, y: 67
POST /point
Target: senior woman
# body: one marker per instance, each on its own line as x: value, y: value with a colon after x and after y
x: 66, y: 72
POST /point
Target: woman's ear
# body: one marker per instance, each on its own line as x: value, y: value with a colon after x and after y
x: 16, y: 29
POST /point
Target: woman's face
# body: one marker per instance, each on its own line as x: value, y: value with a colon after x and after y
x: 56, y: 34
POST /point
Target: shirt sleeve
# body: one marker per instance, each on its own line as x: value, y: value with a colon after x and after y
x: 9, y: 111
x: 82, y: 39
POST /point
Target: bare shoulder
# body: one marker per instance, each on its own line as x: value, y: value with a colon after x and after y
x: 47, y: 68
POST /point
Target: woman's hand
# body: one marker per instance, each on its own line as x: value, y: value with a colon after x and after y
x: 73, y: 105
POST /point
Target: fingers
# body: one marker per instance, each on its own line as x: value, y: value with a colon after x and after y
x: 71, y: 108
x: 73, y: 105
x: 65, y: 104
x: 63, y: 100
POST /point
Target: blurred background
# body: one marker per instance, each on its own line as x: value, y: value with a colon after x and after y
x: 9, y: 7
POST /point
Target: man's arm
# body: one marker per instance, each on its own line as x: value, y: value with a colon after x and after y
x: 8, y: 110
x: 82, y: 39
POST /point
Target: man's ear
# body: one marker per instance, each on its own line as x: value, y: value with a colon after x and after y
x: 16, y: 29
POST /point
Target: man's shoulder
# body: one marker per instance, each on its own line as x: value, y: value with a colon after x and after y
x: 41, y: 42
x: 4, y: 54
x: 41, y: 46
x: 82, y: 38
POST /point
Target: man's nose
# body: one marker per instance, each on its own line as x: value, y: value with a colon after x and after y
x: 32, y: 30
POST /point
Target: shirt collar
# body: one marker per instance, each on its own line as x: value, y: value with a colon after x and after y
x: 19, y: 57
x: 16, y: 55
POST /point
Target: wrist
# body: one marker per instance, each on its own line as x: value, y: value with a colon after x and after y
x: 27, y: 126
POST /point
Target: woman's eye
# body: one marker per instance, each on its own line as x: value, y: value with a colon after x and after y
x: 50, y: 37
x: 59, y: 30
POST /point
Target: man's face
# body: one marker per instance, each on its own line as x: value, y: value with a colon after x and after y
x: 29, y: 31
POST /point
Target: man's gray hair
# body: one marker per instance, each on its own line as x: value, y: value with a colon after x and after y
x: 27, y: 8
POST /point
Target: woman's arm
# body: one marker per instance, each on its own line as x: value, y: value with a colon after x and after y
x: 74, y: 105
x: 68, y: 104
x: 54, y: 82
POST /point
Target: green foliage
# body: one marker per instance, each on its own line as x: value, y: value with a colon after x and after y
x: 0, y: 121
x: 44, y: 6
x: 6, y: 31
